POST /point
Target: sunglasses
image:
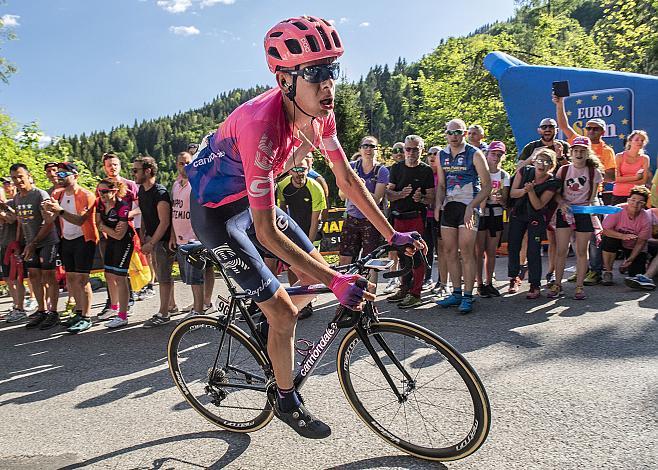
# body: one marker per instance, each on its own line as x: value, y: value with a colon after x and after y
x: 455, y: 132
x: 317, y: 73
x: 433, y: 153
x: 412, y: 149
x: 299, y: 169
x: 543, y: 162
x: 105, y: 191
x: 397, y: 150
x: 593, y: 128
x: 368, y: 146
x: 63, y: 174
x: 547, y: 126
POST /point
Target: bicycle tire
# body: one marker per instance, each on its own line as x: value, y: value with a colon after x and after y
x: 430, y: 351
x: 191, y: 357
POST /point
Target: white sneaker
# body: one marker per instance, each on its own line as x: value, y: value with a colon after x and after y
x: 392, y: 286
x: 107, y: 314
x: 427, y: 285
x: 16, y: 315
x: 116, y: 322
x: 31, y: 304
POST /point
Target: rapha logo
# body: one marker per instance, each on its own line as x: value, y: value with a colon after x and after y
x: 260, y: 186
x: 229, y: 259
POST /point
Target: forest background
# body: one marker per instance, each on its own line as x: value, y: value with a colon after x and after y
x: 389, y: 103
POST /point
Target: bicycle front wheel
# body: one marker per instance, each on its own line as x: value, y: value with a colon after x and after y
x: 227, y: 386
x: 435, y: 406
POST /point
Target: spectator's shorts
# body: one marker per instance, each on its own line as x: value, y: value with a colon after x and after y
x: 358, y: 234
x: 116, y: 258
x: 44, y: 258
x: 453, y: 215
x: 163, y: 261
x: 492, y: 223
x: 190, y: 275
x: 77, y: 255
x: 583, y: 222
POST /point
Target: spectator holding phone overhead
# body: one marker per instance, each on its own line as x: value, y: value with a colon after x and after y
x: 632, y: 166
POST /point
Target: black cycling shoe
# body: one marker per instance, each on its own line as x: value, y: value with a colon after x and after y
x: 35, y: 319
x: 303, y: 422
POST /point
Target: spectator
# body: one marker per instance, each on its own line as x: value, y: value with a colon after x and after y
x: 547, y: 131
x: 303, y: 199
x: 627, y: 231
x: 580, y: 181
x: 532, y: 190
x: 112, y: 220
x: 76, y: 209
x: 314, y: 175
x: 50, y: 169
x: 41, y: 244
x: 632, y: 167
x: 182, y: 234
x: 112, y: 169
x: 645, y: 281
x: 431, y: 230
x: 9, y: 245
x: 410, y: 190
x: 397, y: 152
x: 155, y: 205
x: 464, y: 183
x: 475, y: 135
x: 490, y: 227
x: 358, y: 233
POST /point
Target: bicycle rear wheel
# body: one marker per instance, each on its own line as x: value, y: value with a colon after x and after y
x: 443, y: 412
x: 231, y: 395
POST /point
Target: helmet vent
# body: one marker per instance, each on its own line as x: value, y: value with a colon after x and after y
x: 274, y: 53
x: 325, y: 22
x: 276, y: 34
x: 293, y: 46
x: 325, y: 39
x: 315, y: 47
x: 334, y: 35
x: 300, y: 25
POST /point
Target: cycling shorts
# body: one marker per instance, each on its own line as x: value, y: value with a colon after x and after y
x: 44, y: 258
x: 77, y: 255
x: 452, y: 215
x: 116, y: 258
x: 228, y: 231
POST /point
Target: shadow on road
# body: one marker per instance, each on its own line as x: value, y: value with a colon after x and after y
x: 389, y: 461
x: 237, y: 444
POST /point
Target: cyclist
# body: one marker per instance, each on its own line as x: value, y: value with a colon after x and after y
x: 233, y: 183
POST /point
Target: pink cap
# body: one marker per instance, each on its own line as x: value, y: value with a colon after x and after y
x: 496, y: 145
x: 582, y: 141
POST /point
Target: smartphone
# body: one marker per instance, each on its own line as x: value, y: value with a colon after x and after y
x: 379, y: 264
x: 561, y: 89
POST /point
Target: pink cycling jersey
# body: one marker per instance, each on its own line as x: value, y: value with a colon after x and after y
x: 250, y: 149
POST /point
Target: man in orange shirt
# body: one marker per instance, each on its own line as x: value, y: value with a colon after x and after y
x: 75, y: 207
x: 594, y: 129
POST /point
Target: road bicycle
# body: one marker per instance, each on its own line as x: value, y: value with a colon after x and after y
x: 408, y: 385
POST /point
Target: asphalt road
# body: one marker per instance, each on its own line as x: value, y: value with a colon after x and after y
x: 572, y: 384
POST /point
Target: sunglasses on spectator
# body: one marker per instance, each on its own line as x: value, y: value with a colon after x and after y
x: 543, y: 162
x: 63, y: 174
x: 412, y: 149
x: 547, y: 126
x: 368, y: 146
x: 299, y: 169
x: 433, y: 153
x: 105, y: 191
x: 317, y: 73
x: 397, y: 150
x: 455, y: 132
x: 593, y: 128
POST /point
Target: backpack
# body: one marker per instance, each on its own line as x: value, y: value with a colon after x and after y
x: 562, y: 173
x: 358, y: 167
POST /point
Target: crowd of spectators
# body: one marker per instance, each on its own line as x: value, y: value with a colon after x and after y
x: 458, y: 197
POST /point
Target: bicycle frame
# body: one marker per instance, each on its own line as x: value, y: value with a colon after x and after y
x: 360, y: 320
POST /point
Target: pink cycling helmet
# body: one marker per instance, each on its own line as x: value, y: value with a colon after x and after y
x: 298, y: 40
